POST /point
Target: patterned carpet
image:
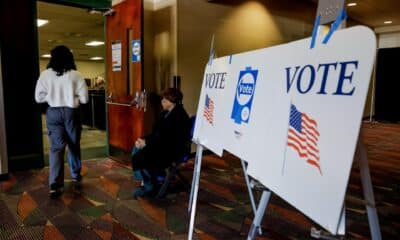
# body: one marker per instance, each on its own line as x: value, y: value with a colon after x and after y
x: 106, y: 210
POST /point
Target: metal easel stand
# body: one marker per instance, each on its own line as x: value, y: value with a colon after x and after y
x: 253, y: 203
x: 262, y: 206
x: 258, y: 213
x: 362, y: 158
x: 195, y: 188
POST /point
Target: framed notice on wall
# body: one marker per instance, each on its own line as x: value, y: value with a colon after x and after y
x: 116, y: 55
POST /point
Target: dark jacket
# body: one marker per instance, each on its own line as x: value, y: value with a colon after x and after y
x: 170, y: 138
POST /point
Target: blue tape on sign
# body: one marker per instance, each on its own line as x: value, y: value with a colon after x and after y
x: 335, y: 25
x: 230, y: 59
x: 315, y: 30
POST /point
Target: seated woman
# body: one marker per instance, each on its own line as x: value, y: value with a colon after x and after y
x: 167, y: 143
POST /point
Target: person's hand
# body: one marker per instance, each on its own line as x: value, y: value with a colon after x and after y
x: 140, y: 143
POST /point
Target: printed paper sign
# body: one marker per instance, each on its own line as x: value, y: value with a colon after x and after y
x: 116, y: 55
x: 294, y: 114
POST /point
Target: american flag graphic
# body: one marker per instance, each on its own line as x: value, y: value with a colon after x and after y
x: 209, y: 110
x: 303, y: 136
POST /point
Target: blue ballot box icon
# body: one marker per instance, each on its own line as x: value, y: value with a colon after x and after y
x: 244, y: 95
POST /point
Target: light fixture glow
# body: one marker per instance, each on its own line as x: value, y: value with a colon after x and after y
x: 46, y: 56
x: 352, y: 4
x: 388, y: 22
x: 94, y: 43
x: 41, y: 22
x: 96, y: 58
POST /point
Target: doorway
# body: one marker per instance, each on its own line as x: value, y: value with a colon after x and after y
x: 82, y: 31
x: 387, y: 85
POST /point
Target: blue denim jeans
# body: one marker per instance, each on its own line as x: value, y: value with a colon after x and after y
x: 64, y: 129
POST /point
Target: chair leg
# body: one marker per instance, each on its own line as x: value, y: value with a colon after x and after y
x: 163, y: 189
x: 183, y: 179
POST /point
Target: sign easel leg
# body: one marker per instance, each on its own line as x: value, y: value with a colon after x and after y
x: 368, y: 192
x: 195, y: 188
x: 262, y: 206
x: 193, y: 181
x: 253, y: 203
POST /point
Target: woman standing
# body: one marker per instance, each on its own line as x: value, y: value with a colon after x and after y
x: 64, y: 89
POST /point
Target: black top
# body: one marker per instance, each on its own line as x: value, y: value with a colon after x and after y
x: 170, y: 138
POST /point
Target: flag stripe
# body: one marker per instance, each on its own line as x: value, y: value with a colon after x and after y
x: 296, y: 147
x: 295, y: 134
x: 312, y: 121
x: 298, y: 142
x: 315, y: 164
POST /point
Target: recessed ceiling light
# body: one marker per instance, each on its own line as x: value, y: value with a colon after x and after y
x: 96, y: 58
x: 94, y: 43
x: 46, y: 56
x: 41, y: 22
x: 352, y: 4
x: 388, y: 22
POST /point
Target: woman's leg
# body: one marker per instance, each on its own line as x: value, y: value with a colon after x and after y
x: 73, y: 129
x: 56, y: 133
x: 141, y: 161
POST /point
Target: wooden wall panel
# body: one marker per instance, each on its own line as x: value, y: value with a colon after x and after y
x: 124, y: 132
x: 128, y: 15
x: 125, y: 123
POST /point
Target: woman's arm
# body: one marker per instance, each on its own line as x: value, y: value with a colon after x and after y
x: 40, y: 90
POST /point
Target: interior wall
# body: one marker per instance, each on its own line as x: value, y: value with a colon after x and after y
x: 388, y: 37
x: 88, y: 69
x: 160, y: 58
x: 149, y: 64
x: 245, y: 26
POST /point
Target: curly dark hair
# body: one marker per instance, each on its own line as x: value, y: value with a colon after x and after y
x: 61, y: 60
x: 174, y: 95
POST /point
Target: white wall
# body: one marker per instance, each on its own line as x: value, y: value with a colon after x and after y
x: 389, y: 40
x: 88, y: 69
x: 388, y: 37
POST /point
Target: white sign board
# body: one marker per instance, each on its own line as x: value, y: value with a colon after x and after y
x: 294, y: 114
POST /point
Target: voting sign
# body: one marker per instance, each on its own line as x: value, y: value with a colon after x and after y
x: 211, y: 109
x: 294, y: 114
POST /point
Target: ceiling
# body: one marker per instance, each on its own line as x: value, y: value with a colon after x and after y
x: 374, y: 13
x: 74, y: 27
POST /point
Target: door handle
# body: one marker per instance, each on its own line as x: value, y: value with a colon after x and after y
x: 121, y: 104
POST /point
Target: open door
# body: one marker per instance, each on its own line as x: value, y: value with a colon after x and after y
x: 125, y: 110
